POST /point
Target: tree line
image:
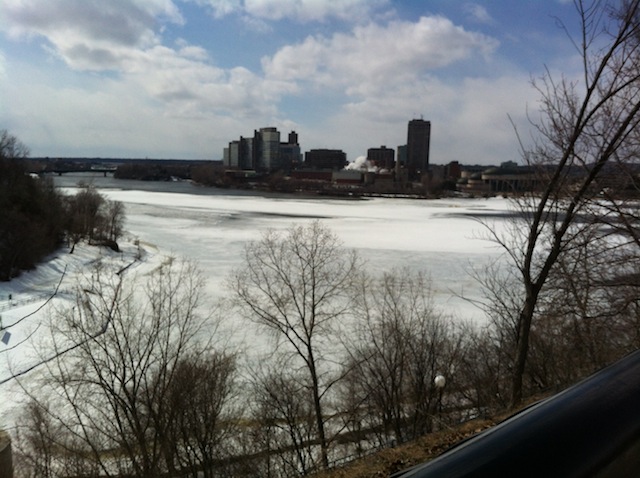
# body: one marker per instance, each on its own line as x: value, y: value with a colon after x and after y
x: 151, y: 389
x: 35, y: 218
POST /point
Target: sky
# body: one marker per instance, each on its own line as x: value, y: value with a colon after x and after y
x: 182, y: 78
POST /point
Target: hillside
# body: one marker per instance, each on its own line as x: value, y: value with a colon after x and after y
x: 402, y: 457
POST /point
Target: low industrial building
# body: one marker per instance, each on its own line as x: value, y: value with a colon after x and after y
x: 506, y: 179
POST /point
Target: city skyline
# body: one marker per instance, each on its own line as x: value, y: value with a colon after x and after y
x: 180, y: 78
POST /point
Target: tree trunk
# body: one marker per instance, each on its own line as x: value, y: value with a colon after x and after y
x: 522, y: 348
x: 318, y: 408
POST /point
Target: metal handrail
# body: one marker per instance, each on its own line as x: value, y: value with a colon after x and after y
x: 591, y: 429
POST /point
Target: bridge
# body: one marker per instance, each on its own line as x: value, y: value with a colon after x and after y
x: 96, y: 169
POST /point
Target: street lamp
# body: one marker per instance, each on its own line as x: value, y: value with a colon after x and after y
x: 439, y: 382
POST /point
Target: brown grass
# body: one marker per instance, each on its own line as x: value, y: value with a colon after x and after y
x: 405, y: 456
x: 425, y: 448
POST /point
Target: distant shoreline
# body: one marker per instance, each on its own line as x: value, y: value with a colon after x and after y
x: 71, y: 180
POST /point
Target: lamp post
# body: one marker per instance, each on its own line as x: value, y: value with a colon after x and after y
x: 439, y: 382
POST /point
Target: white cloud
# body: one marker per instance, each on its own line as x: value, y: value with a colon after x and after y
x: 193, y: 88
x: 192, y: 52
x: 373, y: 56
x: 173, y: 101
x: 121, y: 36
x: 254, y: 24
x: 112, y: 118
x: 90, y: 34
x: 479, y: 124
x: 121, y: 22
x: 298, y: 10
x: 311, y: 10
x: 3, y: 69
x: 221, y: 8
x: 477, y: 13
x: 470, y: 118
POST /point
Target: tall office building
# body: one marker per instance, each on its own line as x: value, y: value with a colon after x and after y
x: 269, y: 149
x: 239, y: 154
x: 418, y: 139
x: 263, y: 152
x: 290, y: 155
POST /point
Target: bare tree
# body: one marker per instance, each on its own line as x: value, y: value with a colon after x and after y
x: 35, y: 443
x: 587, y: 124
x: 296, y: 284
x: 44, y: 450
x: 202, y: 421
x: 488, y: 363
x: 85, y: 211
x: 483, y: 373
x: 11, y: 147
x: 402, y: 343
x: 92, y: 217
x: 112, y: 392
x: 114, y: 215
x: 284, y: 413
x: 587, y: 317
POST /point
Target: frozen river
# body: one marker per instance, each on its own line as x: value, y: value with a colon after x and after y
x: 211, y: 226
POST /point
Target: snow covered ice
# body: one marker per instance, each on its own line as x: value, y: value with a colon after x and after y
x: 439, y: 237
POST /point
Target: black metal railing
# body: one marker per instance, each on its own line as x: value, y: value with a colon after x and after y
x: 592, y: 429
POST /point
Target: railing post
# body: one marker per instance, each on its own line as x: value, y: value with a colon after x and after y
x: 6, y: 461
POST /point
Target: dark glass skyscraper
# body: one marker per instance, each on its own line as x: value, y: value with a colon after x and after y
x: 418, y: 139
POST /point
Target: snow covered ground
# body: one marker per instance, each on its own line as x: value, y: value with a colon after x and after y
x: 27, y: 303
x: 439, y: 237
